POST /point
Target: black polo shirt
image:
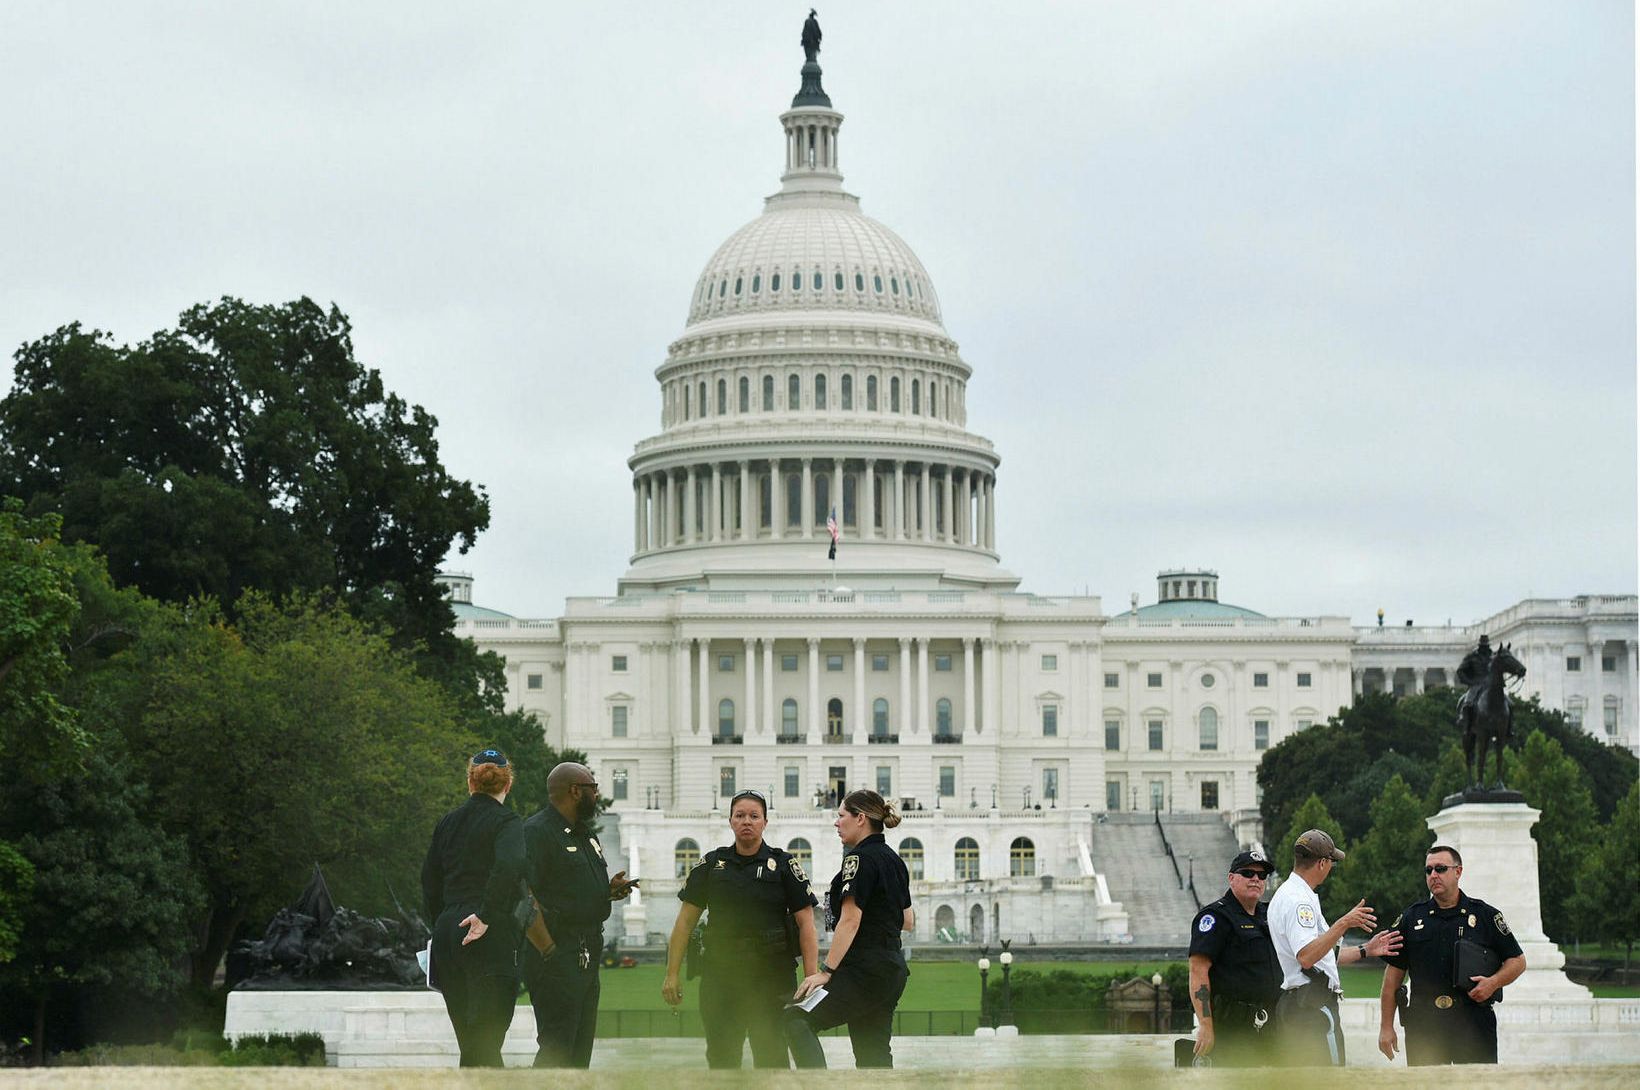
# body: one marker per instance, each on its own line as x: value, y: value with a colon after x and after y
x: 876, y: 877
x: 750, y: 897
x: 1429, y: 935
x: 1244, y: 966
x: 568, y: 874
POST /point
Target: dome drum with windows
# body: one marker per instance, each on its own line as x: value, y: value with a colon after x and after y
x: 814, y: 375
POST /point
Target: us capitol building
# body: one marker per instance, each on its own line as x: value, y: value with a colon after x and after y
x: 1032, y: 741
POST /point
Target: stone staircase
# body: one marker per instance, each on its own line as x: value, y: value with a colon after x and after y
x: 1127, y: 850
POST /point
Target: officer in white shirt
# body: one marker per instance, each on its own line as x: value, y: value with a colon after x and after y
x: 1309, y: 1033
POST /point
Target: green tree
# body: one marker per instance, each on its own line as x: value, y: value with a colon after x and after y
x: 112, y: 901
x: 1312, y: 814
x: 1385, y: 867
x: 1451, y: 776
x: 248, y: 448
x: 37, y: 609
x: 1553, y: 783
x: 1605, y: 902
x: 520, y: 735
x: 16, y: 884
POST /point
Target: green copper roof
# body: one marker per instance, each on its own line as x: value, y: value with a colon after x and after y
x: 1191, y: 609
x: 466, y: 611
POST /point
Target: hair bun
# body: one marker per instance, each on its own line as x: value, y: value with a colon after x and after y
x: 891, y: 817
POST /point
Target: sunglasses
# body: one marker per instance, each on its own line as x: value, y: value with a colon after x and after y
x: 1260, y: 875
x: 749, y: 794
x: 587, y: 783
x: 1438, y: 868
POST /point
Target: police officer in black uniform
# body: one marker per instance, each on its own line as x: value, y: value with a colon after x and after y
x: 762, y: 916
x: 1448, y: 1021
x: 570, y: 881
x: 864, y: 973
x: 469, y: 889
x: 1235, y: 978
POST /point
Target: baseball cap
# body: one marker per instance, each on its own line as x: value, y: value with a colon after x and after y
x: 1318, y: 845
x: 1253, y: 858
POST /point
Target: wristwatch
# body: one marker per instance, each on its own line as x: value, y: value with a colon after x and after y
x: 827, y: 969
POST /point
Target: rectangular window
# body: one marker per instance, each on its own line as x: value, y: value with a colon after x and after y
x: 532, y: 681
x: 618, y: 780
x: 1303, y: 681
x: 1113, y: 734
x: 879, y: 663
x: 1050, y: 663
x: 1050, y: 784
x: 1050, y: 721
x: 1158, y: 790
x: 1574, y: 716
x: 788, y: 663
x: 1261, y: 734
x: 726, y: 781
x: 1305, y: 724
x: 1155, y: 730
x: 1611, y: 720
x: 1210, y: 794
x: 942, y: 663
x: 1261, y: 681
x: 726, y: 664
x: 948, y: 781
x: 1153, y: 681
x: 791, y: 785
x: 1113, y: 681
x: 1574, y: 664
x: 1608, y: 664
x: 885, y: 781
x: 617, y: 664
x: 1113, y: 794
x: 834, y: 664
x: 617, y: 720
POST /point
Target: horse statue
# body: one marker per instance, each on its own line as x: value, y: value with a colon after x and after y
x: 1485, y: 716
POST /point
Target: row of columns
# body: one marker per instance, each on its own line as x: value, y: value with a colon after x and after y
x: 661, y: 517
x: 701, y: 650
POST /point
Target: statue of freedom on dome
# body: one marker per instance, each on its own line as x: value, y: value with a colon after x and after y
x: 811, y: 37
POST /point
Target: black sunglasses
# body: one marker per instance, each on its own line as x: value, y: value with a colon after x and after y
x: 1438, y: 868
x: 586, y: 783
x: 748, y: 793
x: 1259, y: 874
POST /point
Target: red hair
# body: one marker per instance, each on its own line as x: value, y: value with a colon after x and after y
x: 489, y: 779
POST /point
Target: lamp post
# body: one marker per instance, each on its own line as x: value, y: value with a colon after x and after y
x: 1156, y: 990
x: 1007, y: 960
x: 984, y: 971
x: 993, y: 796
x: 1190, y: 870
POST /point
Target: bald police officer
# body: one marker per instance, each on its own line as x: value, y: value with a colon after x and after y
x: 1234, y: 976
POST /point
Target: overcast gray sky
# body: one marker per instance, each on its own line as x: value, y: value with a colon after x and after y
x: 1336, y: 298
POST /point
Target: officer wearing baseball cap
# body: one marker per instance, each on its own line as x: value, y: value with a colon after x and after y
x: 1234, y: 975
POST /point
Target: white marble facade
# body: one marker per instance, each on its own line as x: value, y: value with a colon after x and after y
x: 814, y: 373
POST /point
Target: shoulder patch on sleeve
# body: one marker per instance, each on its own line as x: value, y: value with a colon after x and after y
x: 797, y: 871
x: 1503, y: 928
x: 1207, y: 923
x: 1306, y: 916
x: 851, y: 866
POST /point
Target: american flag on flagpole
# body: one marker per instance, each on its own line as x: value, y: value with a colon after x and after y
x: 831, y: 527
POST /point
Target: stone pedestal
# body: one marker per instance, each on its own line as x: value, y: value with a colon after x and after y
x: 1500, y: 866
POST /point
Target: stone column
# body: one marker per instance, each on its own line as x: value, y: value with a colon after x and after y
x: 816, y: 715
x: 748, y: 514
x: 898, y: 514
x: 689, y: 507
x: 704, y: 696
x: 667, y: 521
x: 991, y: 513
x: 637, y: 515
x: 922, y: 684
x: 751, y: 726
x: 777, y: 500
x: 716, y: 513
x: 1595, y: 721
x: 685, y: 708
x: 968, y: 686
x: 991, y: 716
x: 860, y: 719
x: 904, y: 719
x: 979, y: 513
x: 926, y: 505
x: 867, y: 515
x: 806, y: 529
x: 966, y: 531
x: 949, y: 522
x: 769, y: 720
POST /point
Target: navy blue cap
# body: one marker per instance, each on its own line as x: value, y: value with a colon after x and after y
x: 490, y: 757
x: 1249, y: 859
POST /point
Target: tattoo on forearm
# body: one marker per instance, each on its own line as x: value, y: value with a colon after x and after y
x: 1204, y: 1000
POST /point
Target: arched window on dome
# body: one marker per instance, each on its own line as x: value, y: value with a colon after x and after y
x: 797, y: 279
x: 871, y: 393
x: 822, y: 498
x: 909, y: 293
x: 723, y: 288
x: 837, y: 281
x: 794, y: 500
x: 894, y: 284
x: 1022, y: 858
x: 794, y: 393
x: 877, y: 282
x: 757, y: 283
x: 846, y: 397
x: 774, y: 282
x: 859, y: 281
x: 933, y: 398
x: 722, y: 397
x: 700, y: 402
x: 820, y: 392
x: 894, y: 394
x: 916, y: 397
x: 684, y: 857
x: 850, y: 518
x: 686, y: 401
x: 745, y: 401
x: 765, y: 512
x: 819, y: 280
x: 768, y: 393
x: 737, y: 285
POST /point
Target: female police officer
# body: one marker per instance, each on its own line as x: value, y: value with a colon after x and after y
x: 762, y: 915
x: 864, y: 973
x: 469, y: 889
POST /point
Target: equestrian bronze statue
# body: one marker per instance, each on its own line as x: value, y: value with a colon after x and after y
x: 1484, y: 714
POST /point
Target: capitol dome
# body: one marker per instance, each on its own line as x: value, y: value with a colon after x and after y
x: 813, y: 389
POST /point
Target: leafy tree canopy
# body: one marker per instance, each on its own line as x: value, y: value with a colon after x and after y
x: 1566, y: 831
x: 247, y: 449
x: 1312, y: 814
x: 38, y: 607
x: 1385, y: 867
